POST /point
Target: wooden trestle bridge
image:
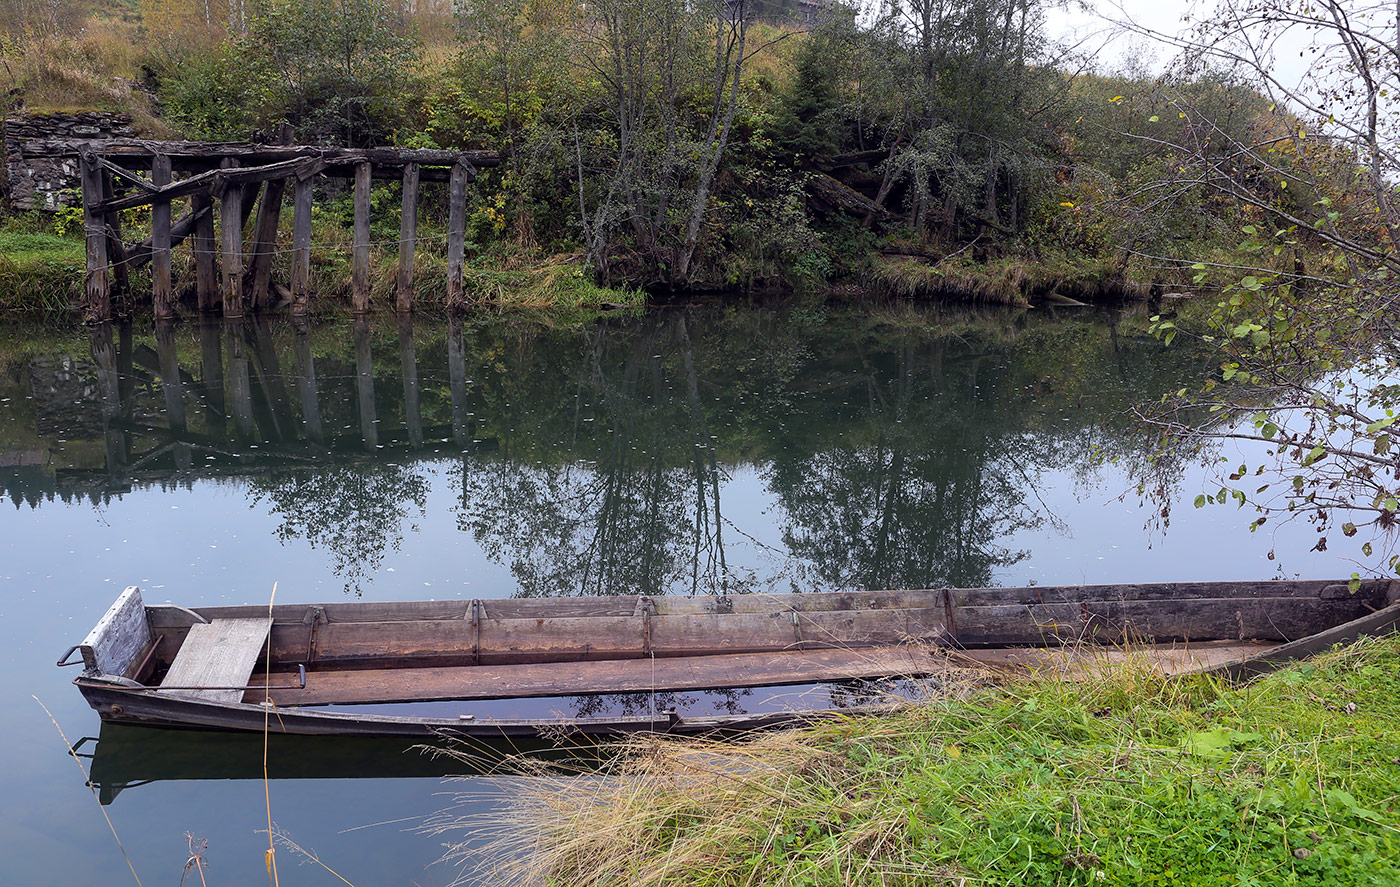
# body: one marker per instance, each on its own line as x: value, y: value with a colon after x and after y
x: 233, y: 276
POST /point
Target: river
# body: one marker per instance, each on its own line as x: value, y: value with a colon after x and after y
x: 692, y: 450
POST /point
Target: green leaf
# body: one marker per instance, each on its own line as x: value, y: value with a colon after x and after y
x: 1201, y: 501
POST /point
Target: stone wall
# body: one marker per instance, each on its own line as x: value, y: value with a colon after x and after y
x: 41, y: 182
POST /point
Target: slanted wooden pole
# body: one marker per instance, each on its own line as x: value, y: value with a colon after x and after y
x: 206, y: 278
x: 96, y: 283
x: 265, y: 243
x: 301, y: 247
x: 231, y: 221
x: 116, y: 250
x: 162, y: 295
x: 408, y: 232
x: 456, y: 234
x: 360, y: 276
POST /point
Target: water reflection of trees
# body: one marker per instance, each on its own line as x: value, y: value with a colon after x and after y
x: 899, y: 449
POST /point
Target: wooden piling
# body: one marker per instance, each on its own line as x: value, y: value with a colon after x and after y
x: 96, y: 283
x: 211, y: 383
x: 456, y: 234
x: 265, y: 243
x: 301, y: 247
x: 306, y: 381
x: 206, y: 278
x: 116, y: 249
x: 161, y: 293
x: 231, y: 222
x: 360, y: 274
x: 408, y: 232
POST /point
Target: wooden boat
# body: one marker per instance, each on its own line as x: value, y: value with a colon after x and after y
x: 288, y: 668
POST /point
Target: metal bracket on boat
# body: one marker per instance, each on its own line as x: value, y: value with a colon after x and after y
x: 476, y: 631
x: 63, y: 660
x: 797, y: 628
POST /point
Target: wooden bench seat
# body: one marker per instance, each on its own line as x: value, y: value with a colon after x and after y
x: 218, y: 654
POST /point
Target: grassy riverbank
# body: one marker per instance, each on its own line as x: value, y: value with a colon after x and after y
x: 1126, y: 780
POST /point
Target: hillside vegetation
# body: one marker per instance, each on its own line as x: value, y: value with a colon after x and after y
x: 944, y: 151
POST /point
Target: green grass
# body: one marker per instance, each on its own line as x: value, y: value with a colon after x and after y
x: 1127, y: 779
x: 40, y: 272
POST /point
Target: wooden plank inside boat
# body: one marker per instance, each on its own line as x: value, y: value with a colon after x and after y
x: 623, y: 676
x: 219, y: 656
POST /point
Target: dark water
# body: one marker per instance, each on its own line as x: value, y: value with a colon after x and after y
x: 691, y: 451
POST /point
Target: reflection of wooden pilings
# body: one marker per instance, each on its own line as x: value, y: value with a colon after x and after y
x: 173, y: 389
x: 457, y: 381
x: 211, y: 359
x: 96, y: 283
x: 104, y: 355
x: 231, y: 222
x: 408, y: 363
x: 306, y: 382
x: 408, y: 232
x: 456, y: 234
x: 364, y: 384
x: 161, y: 294
x: 301, y: 247
x: 239, y: 384
x: 206, y: 278
x: 359, y: 285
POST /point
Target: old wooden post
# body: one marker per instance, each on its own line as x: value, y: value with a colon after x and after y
x: 206, y: 278
x: 231, y: 221
x: 456, y: 234
x: 306, y: 381
x: 301, y: 246
x: 408, y: 232
x: 457, y: 380
x: 211, y: 383
x: 96, y: 283
x: 265, y: 243
x: 360, y: 275
x: 116, y: 249
x: 162, y: 295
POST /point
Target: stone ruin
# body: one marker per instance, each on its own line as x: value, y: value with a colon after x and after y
x: 48, y: 183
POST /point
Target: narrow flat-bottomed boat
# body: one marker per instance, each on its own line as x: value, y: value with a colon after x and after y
x: 298, y: 668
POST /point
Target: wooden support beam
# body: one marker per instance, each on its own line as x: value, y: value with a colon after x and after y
x: 456, y: 234
x: 231, y: 220
x: 116, y: 250
x: 408, y: 232
x: 162, y: 295
x: 96, y: 283
x: 359, y: 286
x: 301, y: 247
x: 138, y: 254
x: 206, y: 279
x: 265, y: 243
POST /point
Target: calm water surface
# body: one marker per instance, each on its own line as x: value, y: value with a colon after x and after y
x: 690, y: 451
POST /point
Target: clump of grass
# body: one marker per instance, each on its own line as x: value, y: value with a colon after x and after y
x: 913, y: 277
x: 39, y: 271
x: 1120, y: 777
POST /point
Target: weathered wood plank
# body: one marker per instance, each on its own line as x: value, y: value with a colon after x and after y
x: 408, y: 233
x: 116, y: 249
x: 264, y: 244
x: 231, y: 222
x: 1371, y: 591
x: 218, y: 654
x: 122, y: 633
x: 637, y: 675
x: 96, y: 282
x: 360, y: 285
x: 1278, y: 618
x: 206, y: 276
x: 301, y: 247
x: 162, y: 295
x: 456, y: 235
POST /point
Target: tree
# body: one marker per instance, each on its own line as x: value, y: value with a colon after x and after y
x: 1306, y: 328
